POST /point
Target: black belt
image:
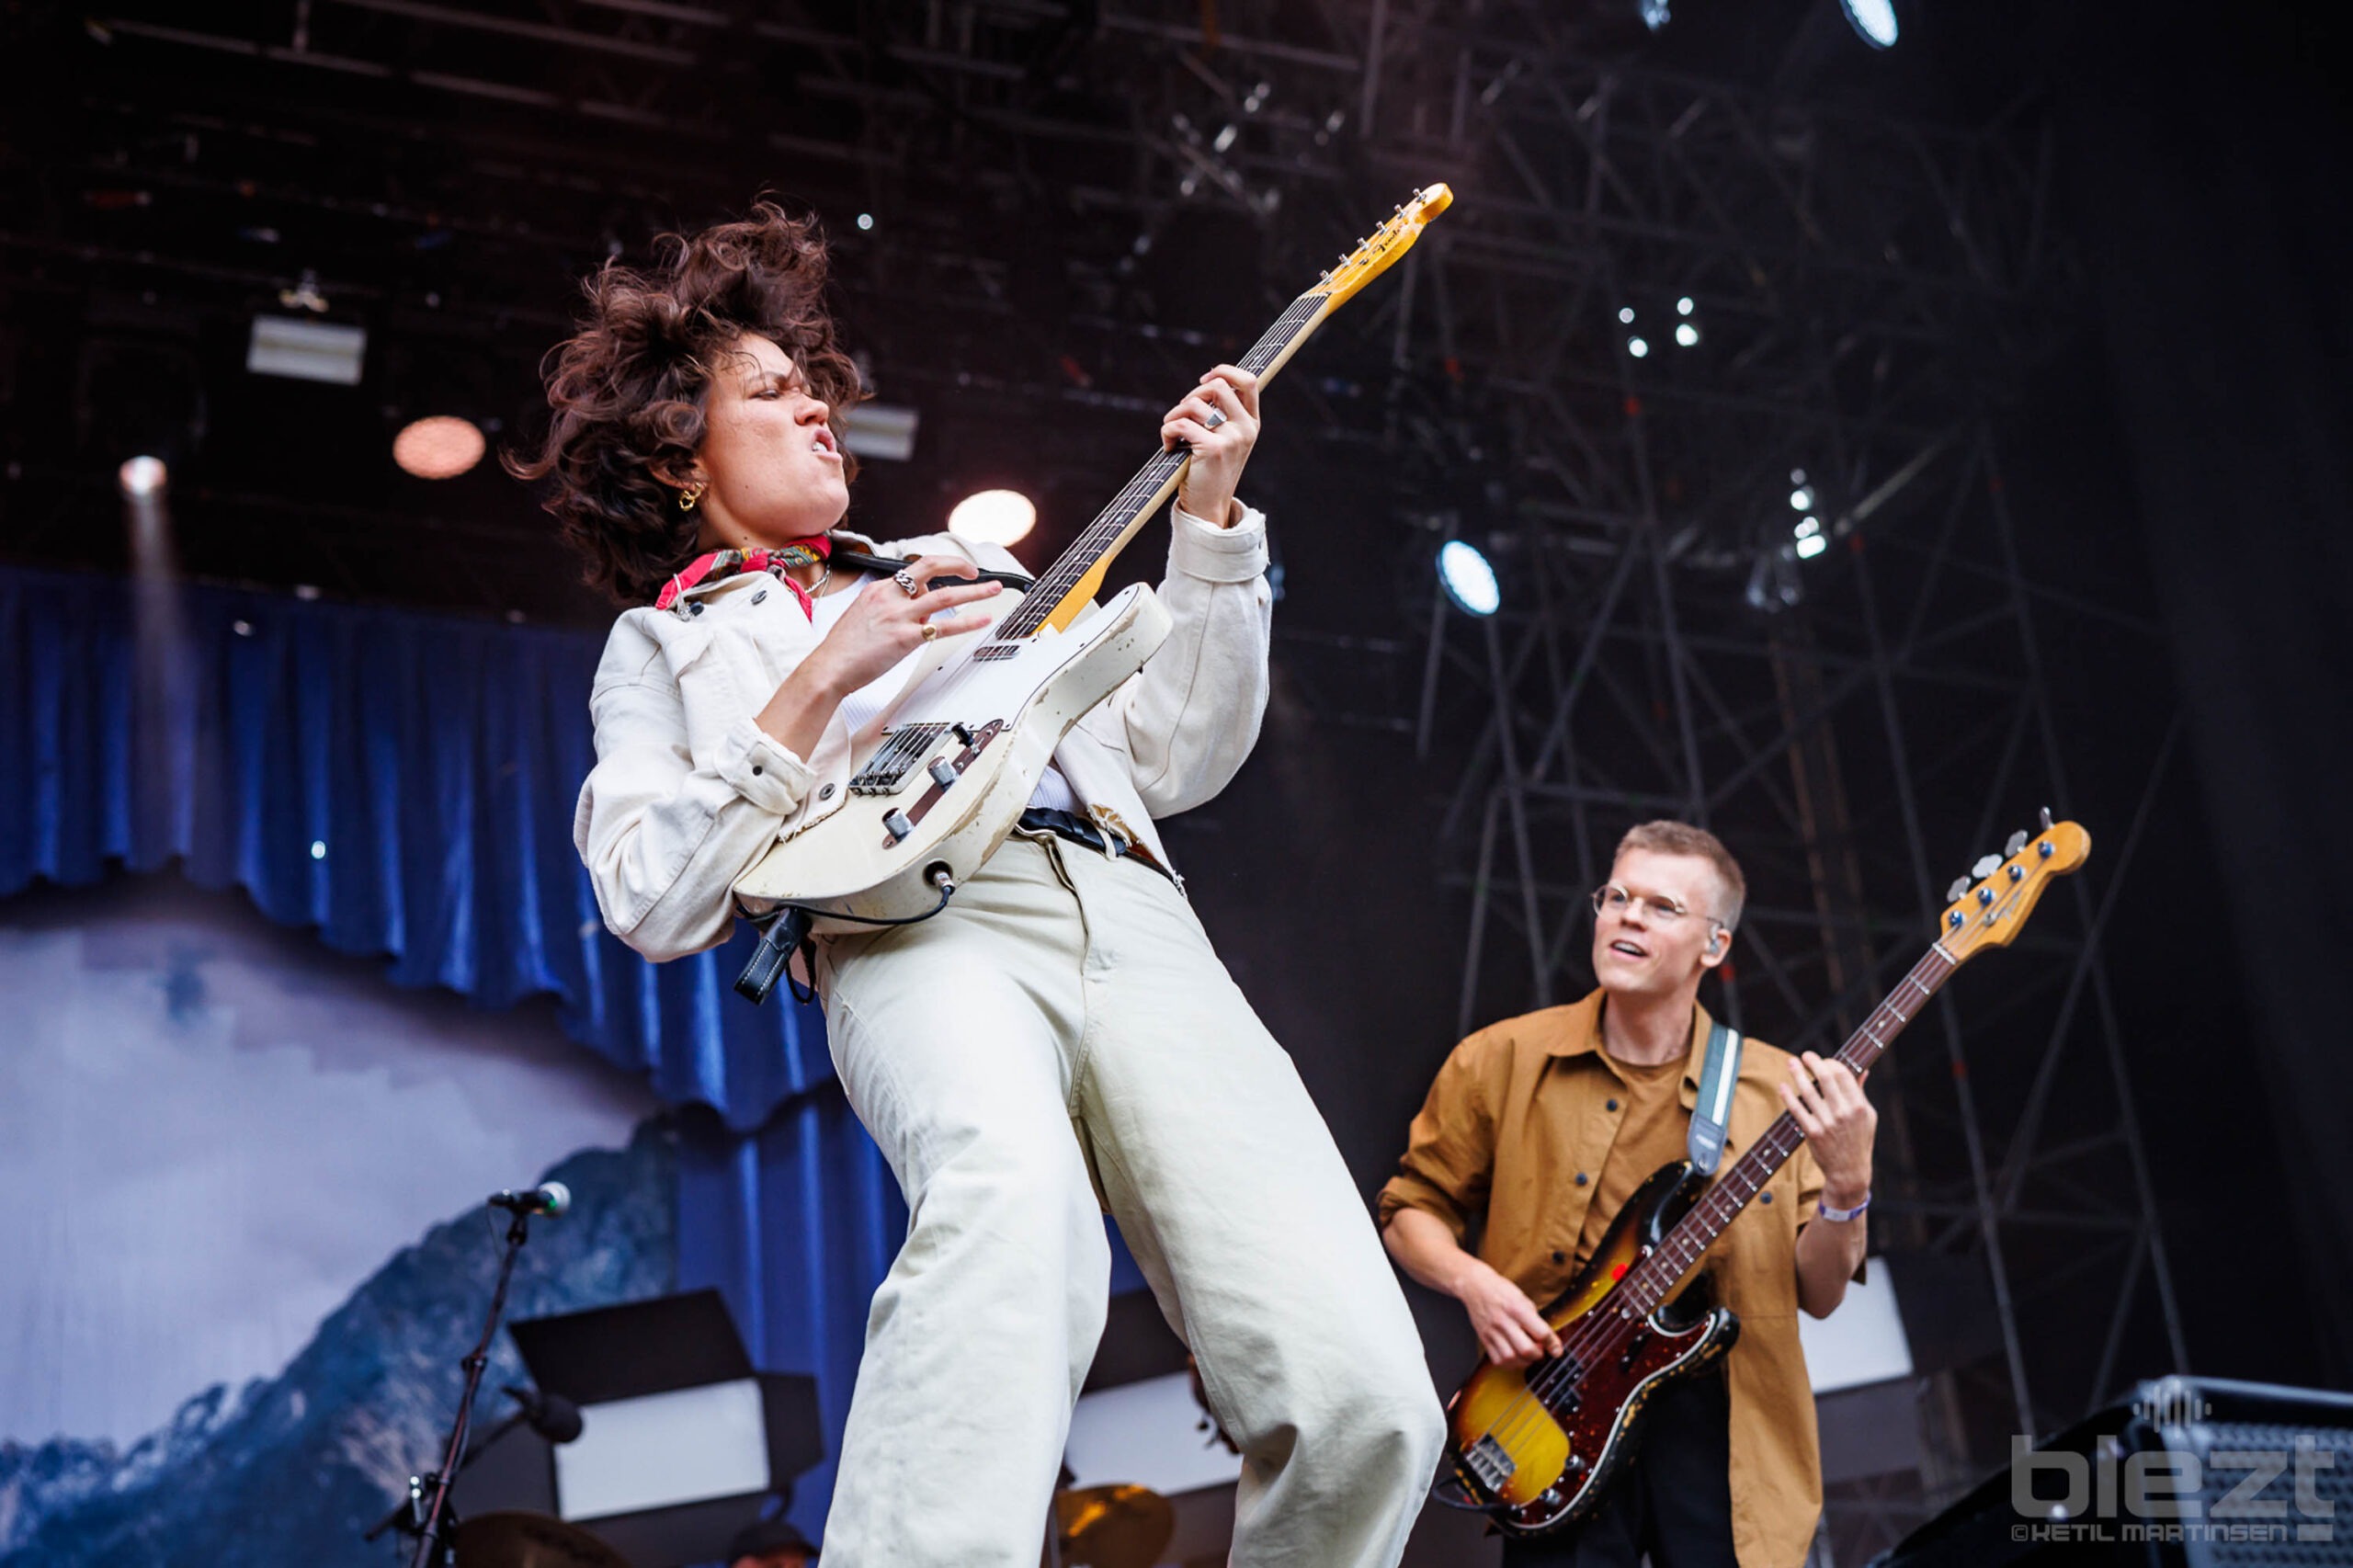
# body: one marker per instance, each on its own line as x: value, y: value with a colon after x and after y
x: 1078, y: 829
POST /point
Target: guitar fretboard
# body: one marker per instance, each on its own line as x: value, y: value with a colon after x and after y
x: 1647, y: 1285
x: 1111, y: 526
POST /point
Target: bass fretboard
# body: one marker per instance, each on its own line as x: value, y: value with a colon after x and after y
x: 1649, y: 1282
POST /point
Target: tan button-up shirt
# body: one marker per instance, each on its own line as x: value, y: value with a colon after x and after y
x: 1512, y: 1145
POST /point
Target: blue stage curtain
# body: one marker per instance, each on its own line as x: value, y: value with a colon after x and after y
x: 404, y: 782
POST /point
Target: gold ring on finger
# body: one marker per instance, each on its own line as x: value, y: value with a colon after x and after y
x: 930, y: 632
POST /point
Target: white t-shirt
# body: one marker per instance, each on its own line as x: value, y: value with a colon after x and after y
x: 861, y: 707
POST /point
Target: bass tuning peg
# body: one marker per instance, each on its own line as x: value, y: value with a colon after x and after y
x: 2016, y: 842
x: 1987, y: 867
x: 2046, y: 819
x: 1959, y: 890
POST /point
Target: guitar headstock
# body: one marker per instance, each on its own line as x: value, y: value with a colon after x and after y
x: 1989, y: 905
x: 1386, y: 244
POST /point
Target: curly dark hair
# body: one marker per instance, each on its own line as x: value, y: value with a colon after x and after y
x: 628, y: 391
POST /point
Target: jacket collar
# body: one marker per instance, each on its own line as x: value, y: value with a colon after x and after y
x: 711, y: 586
x: 1580, y: 1035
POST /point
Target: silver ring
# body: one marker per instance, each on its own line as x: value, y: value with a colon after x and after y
x: 908, y: 584
x: 1216, y: 418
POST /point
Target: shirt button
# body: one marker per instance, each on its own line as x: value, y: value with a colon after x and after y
x: 1765, y: 1197
x: 755, y: 770
x: 758, y: 597
x: 697, y: 608
x: 1580, y: 1178
x: 826, y: 793
x: 1560, y: 1258
x: 1612, y: 1105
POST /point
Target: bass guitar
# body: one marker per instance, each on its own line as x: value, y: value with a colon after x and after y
x: 939, y: 788
x: 1537, y: 1447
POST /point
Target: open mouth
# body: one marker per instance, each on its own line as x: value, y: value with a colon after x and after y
x: 822, y: 442
x: 1630, y: 949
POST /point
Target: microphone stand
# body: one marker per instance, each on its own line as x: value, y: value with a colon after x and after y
x: 428, y: 1496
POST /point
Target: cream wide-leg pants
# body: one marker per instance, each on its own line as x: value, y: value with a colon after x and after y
x: 1064, y: 1027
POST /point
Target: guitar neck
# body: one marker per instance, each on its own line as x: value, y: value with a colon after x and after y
x: 1648, y: 1284
x: 1077, y: 571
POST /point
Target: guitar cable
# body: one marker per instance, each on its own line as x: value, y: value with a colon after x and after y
x: 784, y: 930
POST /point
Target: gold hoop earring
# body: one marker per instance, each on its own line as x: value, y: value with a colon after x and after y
x: 689, y: 495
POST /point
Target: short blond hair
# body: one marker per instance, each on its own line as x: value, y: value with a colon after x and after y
x: 1681, y: 838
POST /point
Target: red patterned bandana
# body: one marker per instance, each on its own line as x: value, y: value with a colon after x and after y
x: 721, y: 563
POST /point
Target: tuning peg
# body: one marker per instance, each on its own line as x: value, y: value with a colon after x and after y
x: 1959, y: 890
x: 2046, y: 819
x: 2016, y: 842
x: 1987, y: 867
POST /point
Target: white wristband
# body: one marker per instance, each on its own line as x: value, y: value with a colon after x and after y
x: 1840, y: 1216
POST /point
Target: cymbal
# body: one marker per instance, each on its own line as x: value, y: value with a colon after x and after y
x: 520, y: 1540
x: 1114, y: 1527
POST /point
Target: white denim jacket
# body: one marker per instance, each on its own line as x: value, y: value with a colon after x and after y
x: 689, y: 792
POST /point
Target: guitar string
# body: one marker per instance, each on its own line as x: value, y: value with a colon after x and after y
x: 1774, y: 1149
x: 1074, y: 565
x: 1071, y: 566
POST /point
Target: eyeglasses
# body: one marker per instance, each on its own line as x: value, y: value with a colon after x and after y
x: 1612, y: 899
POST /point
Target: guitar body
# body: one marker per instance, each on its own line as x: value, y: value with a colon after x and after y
x: 939, y: 788
x: 1537, y: 1447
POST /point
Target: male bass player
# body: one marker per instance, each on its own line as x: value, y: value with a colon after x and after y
x: 1062, y: 1033
x: 1540, y: 1128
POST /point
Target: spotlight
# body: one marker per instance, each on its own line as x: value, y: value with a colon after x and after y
x: 993, y: 517
x: 142, y: 477
x: 1683, y: 306
x: 1637, y: 347
x: 1686, y: 334
x: 866, y: 220
x: 1626, y: 314
x: 1469, y: 581
x: 1808, y: 526
x: 1801, y: 498
x: 438, y: 446
x: 1812, y: 546
x: 1874, y: 19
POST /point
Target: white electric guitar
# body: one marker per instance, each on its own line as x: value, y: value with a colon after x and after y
x: 939, y: 786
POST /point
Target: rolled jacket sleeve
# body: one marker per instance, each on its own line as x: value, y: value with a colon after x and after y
x: 1192, y: 715
x: 665, y: 839
x: 1450, y: 1159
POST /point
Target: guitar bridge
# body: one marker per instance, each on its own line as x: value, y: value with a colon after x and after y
x: 1488, y: 1461
x: 902, y: 748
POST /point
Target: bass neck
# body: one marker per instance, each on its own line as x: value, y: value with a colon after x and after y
x: 1647, y: 1285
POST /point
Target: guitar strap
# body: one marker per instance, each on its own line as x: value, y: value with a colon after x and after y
x: 1712, y: 1115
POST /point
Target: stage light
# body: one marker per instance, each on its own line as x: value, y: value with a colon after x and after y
x: 1874, y: 19
x: 866, y: 220
x: 993, y: 517
x: 307, y: 350
x: 1469, y: 581
x: 885, y: 430
x: 142, y: 477
x: 1686, y: 334
x: 441, y: 445
x: 1812, y: 546
x: 1801, y: 498
x: 1683, y: 306
x: 318, y: 849
x: 1637, y: 347
x: 1626, y: 314
x: 1808, y: 526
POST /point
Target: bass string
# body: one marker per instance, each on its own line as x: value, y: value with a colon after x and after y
x: 1659, y: 1272
x: 1074, y: 565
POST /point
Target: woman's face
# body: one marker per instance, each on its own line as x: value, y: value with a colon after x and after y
x: 772, y: 464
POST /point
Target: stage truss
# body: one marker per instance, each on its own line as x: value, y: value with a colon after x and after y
x: 1864, y: 291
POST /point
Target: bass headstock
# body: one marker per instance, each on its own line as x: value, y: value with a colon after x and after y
x: 1987, y: 907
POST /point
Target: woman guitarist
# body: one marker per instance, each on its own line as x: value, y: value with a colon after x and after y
x: 1063, y: 1033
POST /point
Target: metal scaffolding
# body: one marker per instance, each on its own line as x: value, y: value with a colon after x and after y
x: 1668, y: 320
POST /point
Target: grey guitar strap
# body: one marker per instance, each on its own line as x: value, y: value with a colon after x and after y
x: 1712, y: 1115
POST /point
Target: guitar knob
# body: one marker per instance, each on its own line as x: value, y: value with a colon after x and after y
x: 943, y: 772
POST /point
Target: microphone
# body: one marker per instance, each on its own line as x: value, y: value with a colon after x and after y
x: 549, y: 1197
x: 552, y: 1415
